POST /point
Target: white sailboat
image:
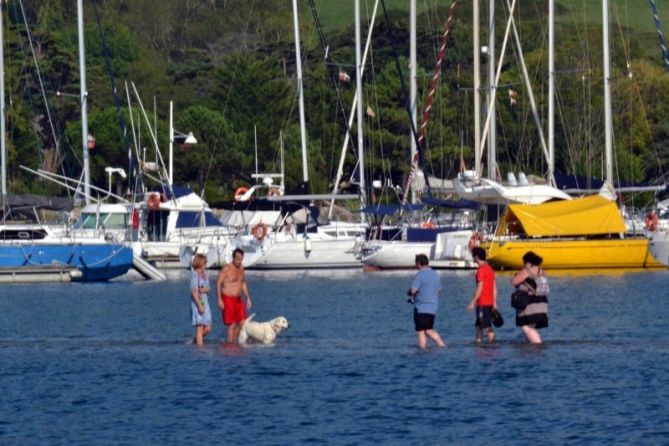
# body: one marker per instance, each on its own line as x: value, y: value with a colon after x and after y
x: 446, y: 243
x: 292, y: 242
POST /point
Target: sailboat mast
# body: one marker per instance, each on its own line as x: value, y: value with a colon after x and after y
x: 3, y: 149
x: 477, y: 85
x: 413, y: 90
x: 551, y: 88
x: 492, y: 134
x: 358, y: 84
x: 608, y: 120
x: 84, y: 100
x: 300, y: 92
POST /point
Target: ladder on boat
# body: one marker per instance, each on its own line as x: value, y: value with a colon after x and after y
x: 145, y: 269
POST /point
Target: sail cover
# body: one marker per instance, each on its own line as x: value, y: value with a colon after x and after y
x: 593, y: 215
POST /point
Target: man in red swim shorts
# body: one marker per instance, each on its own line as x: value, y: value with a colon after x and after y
x: 230, y: 284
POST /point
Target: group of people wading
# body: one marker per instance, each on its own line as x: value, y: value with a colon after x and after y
x: 531, y: 313
x: 530, y: 281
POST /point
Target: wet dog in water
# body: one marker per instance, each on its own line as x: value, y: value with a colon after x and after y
x: 264, y: 332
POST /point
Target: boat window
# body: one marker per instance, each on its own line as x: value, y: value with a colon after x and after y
x: 22, y: 234
x: 116, y: 221
x: 89, y: 221
x: 190, y: 219
x: 211, y: 220
x: 331, y: 234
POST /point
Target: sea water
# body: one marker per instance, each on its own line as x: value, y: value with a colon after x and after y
x: 111, y: 363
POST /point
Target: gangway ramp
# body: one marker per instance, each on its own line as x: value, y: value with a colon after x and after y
x: 148, y: 271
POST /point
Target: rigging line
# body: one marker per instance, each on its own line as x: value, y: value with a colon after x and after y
x: 660, y: 34
x: 227, y: 100
x: 41, y: 83
x: 418, y: 156
x: 637, y: 89
x: 121, y: 118
x: 333, y: 79
x: 405, y: 96
x: 422, y: 143
x: 625, y: 44
x: 375, y: 95
x: 25, y: 72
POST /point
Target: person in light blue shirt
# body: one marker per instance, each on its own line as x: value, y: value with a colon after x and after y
x: 199, y: 302
x: 424, y: 295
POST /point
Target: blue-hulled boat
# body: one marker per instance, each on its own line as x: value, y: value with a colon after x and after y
x: 27, y: 247
x: 95, y: 262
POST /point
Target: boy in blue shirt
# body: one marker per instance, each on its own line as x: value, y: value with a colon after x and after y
x: 424, y: 293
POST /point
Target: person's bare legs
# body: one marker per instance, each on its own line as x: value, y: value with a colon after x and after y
x: 479, y: 335
x: 531, y: 334
x: 233, y: 331
x: 198, y: 335
x: 491, y: 335
x: 230, y: 337
x: 422, y: 340
x: 206, y: 330
x: 435, y: 337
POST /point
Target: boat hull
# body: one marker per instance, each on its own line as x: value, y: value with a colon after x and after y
x: 573, y: 254
x: 659, y: 247
x: 450, y: 250
x: 98, y: 262
x: 395, y: 254
x: 316, y: 254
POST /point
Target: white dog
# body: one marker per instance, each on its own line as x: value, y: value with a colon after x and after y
x: 264, y: 332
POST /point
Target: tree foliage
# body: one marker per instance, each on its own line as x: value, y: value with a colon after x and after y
x: 229, y: 67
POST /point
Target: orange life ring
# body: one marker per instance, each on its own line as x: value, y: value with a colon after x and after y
x: 259, y: 231
x: 651, y: 221
x: 428, y: 225
x: 240, y: 192
x: 153, y: 201
x: 475, y: 240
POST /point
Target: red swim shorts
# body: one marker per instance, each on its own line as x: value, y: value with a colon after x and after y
x: 234, y: 309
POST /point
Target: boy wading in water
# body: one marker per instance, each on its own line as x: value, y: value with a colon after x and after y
x: 485, y: 297
x: 230, y: 285
x: 199, y: 305
x: 424, y: 293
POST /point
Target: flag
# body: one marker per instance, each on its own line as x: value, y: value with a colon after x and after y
x: 370, y: 112
x: 513, y: 94
x: 343, y: 76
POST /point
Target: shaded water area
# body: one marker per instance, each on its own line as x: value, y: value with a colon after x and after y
x: 111, y: 364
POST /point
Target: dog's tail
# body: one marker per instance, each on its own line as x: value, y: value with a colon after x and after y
x: 249, y: 318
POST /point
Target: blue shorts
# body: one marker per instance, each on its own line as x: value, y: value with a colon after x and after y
x: 204, y: 318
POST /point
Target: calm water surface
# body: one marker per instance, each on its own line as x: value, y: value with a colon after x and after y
x: 110, y: 364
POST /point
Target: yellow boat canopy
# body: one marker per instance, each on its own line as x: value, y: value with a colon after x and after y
x: 594, y: 215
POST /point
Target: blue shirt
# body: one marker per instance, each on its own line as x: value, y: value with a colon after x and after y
x: 428, y: 284
x: 195, y: 283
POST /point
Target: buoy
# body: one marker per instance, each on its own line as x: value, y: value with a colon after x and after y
x: 259, y: 231
x: 651, y: 221
x: 428, y: 225
x: 307, y: 245
x: 239, y: 193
